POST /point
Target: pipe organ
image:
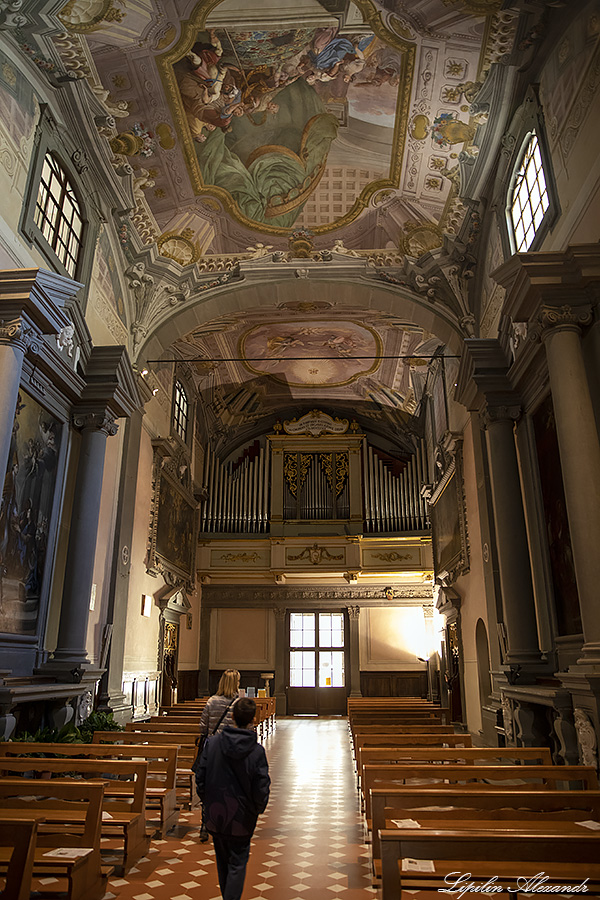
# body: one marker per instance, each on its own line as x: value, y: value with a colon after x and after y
x: 294, y: 479
x: 393, y: 502
x: 238, y: 494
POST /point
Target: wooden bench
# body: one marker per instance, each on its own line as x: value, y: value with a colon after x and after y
x: 374, y: 741
x: 68, y: 817
x: 192, y: 710
x: 563, y: 856
x: 540, y: 756
x: 526, y: 777
x: 124, y: 802
x: 162, y: 768
x: 440, y: 801
x: 17, y: 846
x: 185, y: 782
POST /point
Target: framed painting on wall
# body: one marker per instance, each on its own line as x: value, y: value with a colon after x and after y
x: 173, y: 530
x: 448, y: 523
x: 28, y: 493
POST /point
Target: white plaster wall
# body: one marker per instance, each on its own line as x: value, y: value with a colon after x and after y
x: 141, y: 637
x: 392, y: 638
x: 104, y: 543
x: 242, y: 639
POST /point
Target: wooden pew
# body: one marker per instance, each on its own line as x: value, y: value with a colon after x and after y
x: 124, y: 802
x: 540, y: 756
x: 459, y: 803
x: 185, y: 782
x: 374, y: 741
x: 68, y: 816
x: 527, y: 777
x: 17, y: 847
x: 563, y: 854
x: 192, y: 710
x: 162, y: 768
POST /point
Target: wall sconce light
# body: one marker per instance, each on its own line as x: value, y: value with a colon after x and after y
x: 144, y: 372
x: 154, y: 392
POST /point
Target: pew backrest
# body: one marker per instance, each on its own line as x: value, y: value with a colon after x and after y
x: 19, y: 835
x: 522, y: 777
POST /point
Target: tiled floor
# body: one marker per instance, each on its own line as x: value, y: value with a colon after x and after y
x: 307, y: 846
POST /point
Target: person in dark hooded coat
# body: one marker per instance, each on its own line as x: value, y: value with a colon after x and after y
x: 233, y: 784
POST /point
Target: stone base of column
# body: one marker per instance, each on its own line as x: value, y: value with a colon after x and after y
x: 116, y: 703
x: 584, y: 688
x: 280, y: 704
x: 73, y: 670
x: 522, y: 670
x: 354, y: 694
x: 590, y: 656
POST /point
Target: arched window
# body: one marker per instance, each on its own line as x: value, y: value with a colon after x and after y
x: 181, y: 409
x: 528, y: 199
x: 58, y: 213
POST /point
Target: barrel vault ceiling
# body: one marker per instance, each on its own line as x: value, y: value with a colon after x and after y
x: 249, y: 128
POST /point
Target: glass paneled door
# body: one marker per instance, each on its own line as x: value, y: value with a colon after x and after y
x: 317, y: 664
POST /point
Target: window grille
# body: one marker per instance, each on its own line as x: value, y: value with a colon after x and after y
x: 180, y: 411
x: 58, y: 213
x: 529, y: 199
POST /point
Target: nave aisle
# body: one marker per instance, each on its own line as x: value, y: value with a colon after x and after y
x: 307, y: 846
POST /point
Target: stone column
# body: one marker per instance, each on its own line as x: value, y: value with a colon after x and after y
x: 280, y: 646
x: 579, y: 457
x: 511, y: 538
x: 111, y: 697
x: 79, y: 569
x: 354, y: 651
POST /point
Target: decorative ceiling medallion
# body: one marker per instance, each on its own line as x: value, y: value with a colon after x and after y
x: 311, y: 353
x: 315, y: 423
x: 421, y: 238
x: 179, y: 247
x: 260, y: 118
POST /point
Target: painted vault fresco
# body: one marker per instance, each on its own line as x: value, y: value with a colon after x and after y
x: 240, y: 120
x: 264, y: 112
x: 277, y: 349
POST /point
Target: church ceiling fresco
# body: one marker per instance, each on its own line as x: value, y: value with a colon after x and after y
x: 255, y: 364
x: 249, y: 121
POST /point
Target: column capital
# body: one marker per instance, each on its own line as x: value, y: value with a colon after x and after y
x: 280, y: 612
x: 503, y: 412
x: 551, y: 319
x: 353, y: 612
x: 19, y: 332
x: 102, y: 421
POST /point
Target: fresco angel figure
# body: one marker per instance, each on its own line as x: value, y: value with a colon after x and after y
x: 332, y: 55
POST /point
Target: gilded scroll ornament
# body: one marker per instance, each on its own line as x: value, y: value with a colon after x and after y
x: 295, y: 470
x: 335, y: 468
x: 341, y: 472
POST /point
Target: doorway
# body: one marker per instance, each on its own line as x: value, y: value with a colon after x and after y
x: 316, y: 664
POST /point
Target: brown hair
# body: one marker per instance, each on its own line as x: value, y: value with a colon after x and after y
x: 229, y: 683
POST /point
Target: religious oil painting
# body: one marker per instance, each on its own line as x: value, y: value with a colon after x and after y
x: 266, y: 115
x: 173, y: 542
x: 25, y: 514
x: 311, y: 353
